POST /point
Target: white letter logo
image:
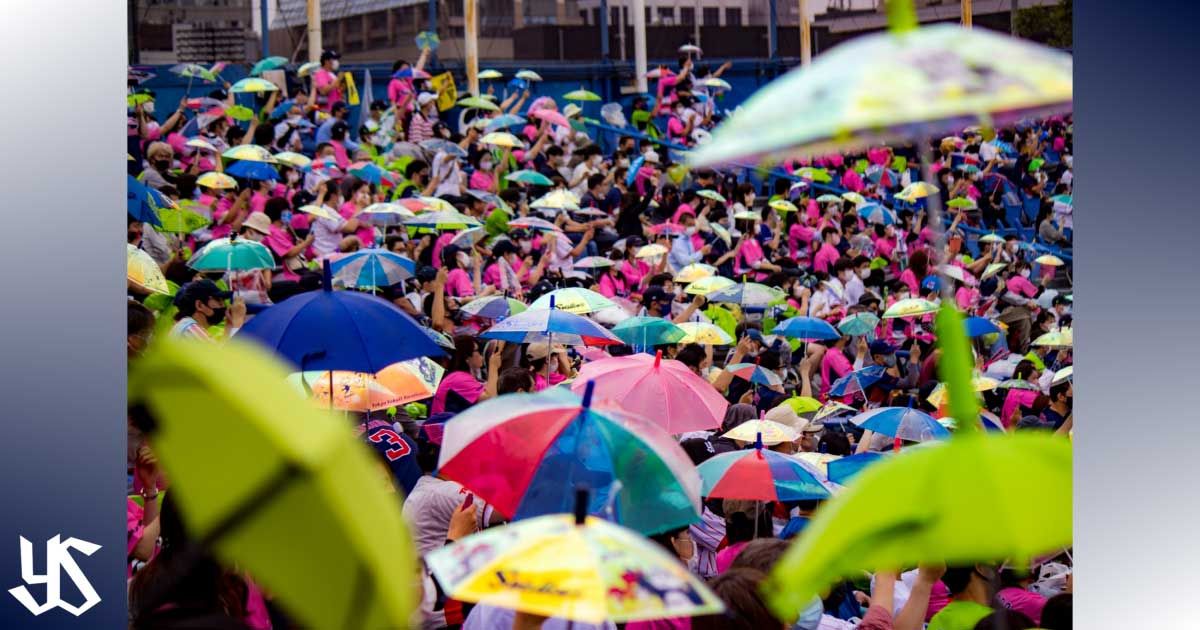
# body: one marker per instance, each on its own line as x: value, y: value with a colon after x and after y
x: 58, y: 559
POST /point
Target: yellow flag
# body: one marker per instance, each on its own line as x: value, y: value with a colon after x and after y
x: 351, y: 90
x: 447, y: 92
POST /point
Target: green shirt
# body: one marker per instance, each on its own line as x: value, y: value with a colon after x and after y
x: 958, y: 616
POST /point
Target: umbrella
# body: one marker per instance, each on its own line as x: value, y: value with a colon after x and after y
x: 717, y: 83
x: 249, y: 153
x: 143, y: 202
x: 339, y: 330
x: 857, y: 381
x: 1019, y: 383
x: 979, y: 383
x: 668, y: 229
x: 704, y: 333
x: 532, y: 178
x: 711, y: 194
x: 962, y: 203
x: 992, y: 270
x: 143, y: 271
x: 585, y: 570
x: 308, y: 68
x: 875, y: 213
x: 760, y: 475
x: 320, y: 212
x: 555, y: 439
x: 411, y: 73
x: 489, y: 74
x: 917, y: 190
x: 813, y: 174
x: 992, y: 238
x: 253, y: 85
x: 468, y: 238
x: 854, y: 198
x: 1062, y: 338
x: 980, y: 326
x: 827, y: 198
x: 293, y: 159
x: 437, y: 203
x: 528, y: 75
x: 551, y: 324
x: 1050, y: 260
x: 903, y: 423
x: 474, y: 102
x: 693, y: 272
x: 663, y: 391
x: 561, y: 199
x: 890, y: 87
x: 751, y: 294
x: 711, y: 284
x: 1063, y: 375
x: 240, y: 113
x: 440, y: 145
x: 232, y: 254
x: 200, y: 143
x: 352, y: 391
x: 783, y: 205
x: 844, y: 469
x: 593, y: 262
x: 504, y: 121
x: 832, y: 409
x: 644, y: 332
x: 573, y: 300
x: 493, y: 307
x: 582, y: 95
x: 690, y: 49
x: 443, y: 220
x: 141, y: 98
x: 552, y: 116
x: 502, y: 139
x: 650, y: 251
x: 807, y: 329
x: 910, y: 307
x: 253, y: 170
x: 194, y: 71
x: 372, y: 173
x: 249, y: 459
x: 768, y: 431
x: 181, y: 220
x: 858, y: 324
x: 372, y: 268
x: 386, y: 214
x: 754, y: 373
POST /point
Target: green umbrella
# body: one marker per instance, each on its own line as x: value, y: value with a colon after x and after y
x: 532, y: 178
x: 133, y: 100
x: 270, y: 63
x: 858, y: 323
x: 181, y: 220
x: 475, y: 102
x: 582, y: 95
x: 961, y: 203
x: 710, y: 194
x: 274, y: 485
x: 814, y: 174
x: 240, y: 112
x: 232, y: 254
x: 643, y: 332
x: 443, y: 220
x: 253, y: 85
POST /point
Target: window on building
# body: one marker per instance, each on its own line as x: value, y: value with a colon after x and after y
x: 733, y: 17
x: 614, y: 15
x: 712, y: 16
x: 666, y: 16
x: 687, y: 16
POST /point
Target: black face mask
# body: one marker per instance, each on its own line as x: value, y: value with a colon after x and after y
x: 218, y: 316
x: 162, y: 165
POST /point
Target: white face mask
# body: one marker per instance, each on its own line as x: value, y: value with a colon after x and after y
x: 335, y: 65
x: 864, y: 273
x: 623, y: 162
x: 596, y: 160
x: 526, y: 247
x: 553, y: 364
x: 464, y: 261
x: 691, y: 229
x: 148, y: 107
x: 1024, y: 273
x: 486, y: 165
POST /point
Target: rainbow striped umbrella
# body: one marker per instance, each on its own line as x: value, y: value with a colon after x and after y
x: 760, y: 475
x: 754, y: 373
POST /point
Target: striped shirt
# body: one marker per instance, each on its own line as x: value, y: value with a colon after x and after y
x: 420, y: 128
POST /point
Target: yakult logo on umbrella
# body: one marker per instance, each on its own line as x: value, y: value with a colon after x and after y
x: 58, y: 559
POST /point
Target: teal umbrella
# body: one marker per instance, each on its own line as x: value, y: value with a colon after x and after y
x: 643, y: 332
x: 232, y: 254
x: 858, y: 324
x: 270, y: 63
x: 529, y: 177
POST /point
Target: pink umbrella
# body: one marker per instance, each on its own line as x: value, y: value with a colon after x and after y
x: 551, y: 115
x: 666, y: 392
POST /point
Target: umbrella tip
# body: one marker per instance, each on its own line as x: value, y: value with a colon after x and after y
x: 552, y: 302
x: 326, y: 276
x: 658, y: 358
x: 758, y: 443
x: 587, y: 394
x: 581, y: 504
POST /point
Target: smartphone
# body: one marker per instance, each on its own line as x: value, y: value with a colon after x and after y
x: 470, y: 501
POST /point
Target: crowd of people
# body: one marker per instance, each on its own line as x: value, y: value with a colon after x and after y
x: 559, y: 204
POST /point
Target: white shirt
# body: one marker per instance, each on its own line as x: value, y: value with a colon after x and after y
x: 327, y: 234
x: 854, y: 288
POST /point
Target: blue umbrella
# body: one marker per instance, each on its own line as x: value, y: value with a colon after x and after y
x: 143, y: 202
x: 644, y: 332
x: 807, y: 328
x: 842, y: 470
x: 980, y: 326
x: 551, y: 324
x: 504, y: 121
x: 373, y: 268
x: 859, y: 323
x: 253, y: 170
x: 438, y: 145
x: 904, y: 423
x: 875, y: 213
x: 340, y: 330
x: 857, y: 381
x: 281, y: 109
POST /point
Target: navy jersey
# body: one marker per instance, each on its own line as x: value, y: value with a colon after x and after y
x: 398, y: 451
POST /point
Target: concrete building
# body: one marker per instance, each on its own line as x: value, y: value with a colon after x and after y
x: 174, y: 31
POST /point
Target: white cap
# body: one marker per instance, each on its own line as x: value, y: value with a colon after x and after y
x: 425, y: 98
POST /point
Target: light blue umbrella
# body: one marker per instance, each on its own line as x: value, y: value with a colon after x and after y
x: 504, y: 121
x: 232, y: 254
x: 644, y: 332
x: 980, y: 326
x: 858, y: 324
x: 806, y: 328
x: 904, y: 423
x: 373, y: 268
x: 875, y: 213
x: 842, y: 470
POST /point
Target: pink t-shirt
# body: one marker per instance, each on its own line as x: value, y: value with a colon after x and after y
x: 322, y: 78
x: 814, y: 210
x: 965, y: 297
x: 884, y: 247
x: 223, y: 207
x: 750, y: 253
x: 799, y: 238
x: 834, y: 365
x: 365, y: 233
x: 852, y: 181
x: 339, y: 154
x: 1025, y: 602
x: 877, y: 156
x: 1016, y: 398
x: 460, y: 383
x: 539, y: 381
x: 481, y: 180
x: 281, y: 242
x: 492, y: 276
x: 399, y: 91
x: 826, y: 256
x: 726, y: 556
x: 611, y: 286
x: 677, y: 623
x: 458, y: 283
x: 438, y: 245
x: 1021, y: 286
x: 635, y: 272
x: 911, y: 281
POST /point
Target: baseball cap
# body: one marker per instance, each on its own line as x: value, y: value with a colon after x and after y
x: 200, y: 290
x: 259, y: 222
x: 879, y: 346
x: 329, y: 54
x: 426, y: 273
x: 425, y: 98
x: 655, y: 294
x: 540, y: 350
x: 756, y: 335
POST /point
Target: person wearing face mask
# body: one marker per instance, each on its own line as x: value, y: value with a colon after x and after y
x: 288, y: 135
x: 1018, y: 303
x: 540, y: 357
x: 683, y: 248
x: 159, y: 157
x: 358, y: 196
x: 327, y: 85
x: 201, y: 304
x: 420, y: 124
x: 252, y: 286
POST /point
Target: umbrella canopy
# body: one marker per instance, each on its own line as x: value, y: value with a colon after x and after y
x: 783, y: 205
x: 260, y: 171
x: 650, y: 251
x: 202, y: 144
x: 502, y: 139
x: 320, y: 212
x: 980, y: 326
x: 143, y: 271
x: 551, y: 324
x: 253, y: 85
x: 533, y: 223
x: 1050, y: 260
x: 561, y: 199
x: 249, y: 459
x: 372, y: 173
x: 750, y: 294
x: 232, y: 254
x: 693, y: 272
x: 553, y: 440
x: 339, y: 330
x: 1060, y: 338
x: 291, y: 158
x: 386, y: 214
x: 532, y: 178
x: 493, y: 307
x: 528, y: 75
x: 551, y: 116
x: 372, y: 268
x: 807, y: 328
x: 439, y: 145
x: 645, y: 332
x: 397, y: 384
x: 249, y: 153
x: 828, y: 198
x: 768, y: 431
x: 194, y: 71
x: 593, y: 262
x: 447, y: 220
x: 573, y: 300
x: 216, y: 181
x: 270, y: 63
x: 716, y: 83
x: 489, y: 74
x: 754, y: 373
x: 890, y: 87
x: 582, y: 95
x: 710, y: 284
x: 904, y: 423
x: 180, y: 220
x: 704, y: 333
x: 857, y: 381
x: 846, y: 468
x: 474, y: 102
x: 854, y: 198
x: 589, y: 572
x: 711, y: 194
x: 760, y: 475
x: 917, y: 190
x: 858, y: 323
x: 910, y: 307
x: 665, y: 391
x: 875, y: 213
x: 143, y: 202
x: 962, y: 203
x: 813, y: 174
x: 831, y: 410
x: 504, y: 121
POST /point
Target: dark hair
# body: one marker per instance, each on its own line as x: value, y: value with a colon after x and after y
x: 515, y: 379
x: 740, y: 526
x: 744, y: 606
x: 739, y: 194
x: 554, y: 151
x: 1059, y: 390
x: 275, y: 208
x: 399, y: 63
x: 465, y: 347
x: 664, y: 538
x: 1056, y: 614
x: 919, y: 263
x: 827, y: 230
x: 760, y: 555
x: 956, y: 579
x: 834, y: 443
x: 1024, y: 369
x: 1005, y: 619
x: 138, y: 319
x: 595, y: 180
x: 659, y: 280
x: 414, y: 167
x: 691, y: 355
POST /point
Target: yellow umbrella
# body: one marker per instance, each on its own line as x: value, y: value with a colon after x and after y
x: 275, y: 486
x: 437, y: 204
x: 694, y: 272
x: 979, y: 383
x: 783, y: 205
x: 586, y: 570
x: 917, y: 190
x: 293, y: 159
x: 321, y: 212
x: 803, y: 404
x: 772, y: 432
x: 854, y: 198
x: 200, y: 143
x: 141, y: 269
x: 490, y: 74
x: 820, y: 460
x: 704, y: 286
x: 216, y: 181
x: 910, y: 308
x: 249, y: 153
x: 704, y: 333
x: 1049, y: 260
x: 650, y: 251
x: 502, y: 139
x: 1062, y: 338
x: 832, y: 408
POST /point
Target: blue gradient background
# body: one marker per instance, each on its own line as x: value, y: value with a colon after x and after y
x: 62, y: 376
